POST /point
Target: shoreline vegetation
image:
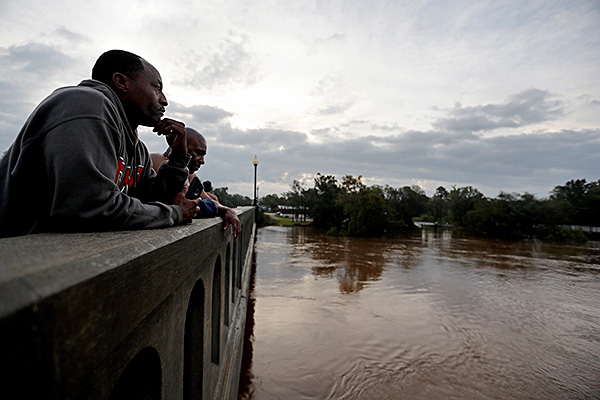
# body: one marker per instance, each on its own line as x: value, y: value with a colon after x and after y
x: 351, y: 208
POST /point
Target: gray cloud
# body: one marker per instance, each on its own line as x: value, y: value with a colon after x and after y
x: 70, y: 36
x: 397, y: 59
x: 199, y: 115
x: 30, y: 73
x: 336, y: 37
x: 333, y: 109
x: 34, y: 58
x: 525, y: 108
x: 232, y: 62
x: 320, y: 45
x: 12, y: 108
x: 377, y: 127
x: 329, y: 90
x: 532, y: 163
x: 452, y: 152
x: 329, y: 85
x: 324, y: 131
x: 265, y: 139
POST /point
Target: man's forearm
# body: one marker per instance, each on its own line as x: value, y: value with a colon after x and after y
x: 171, y: 177
x: 221, y: 208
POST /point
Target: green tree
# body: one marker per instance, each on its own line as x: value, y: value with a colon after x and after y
x: 461, y: 201
x: 231, y: 200
x: 271, y: 201
x: 438, y: 204
x: 296, y: 198
x: 326, y: 210
x: 509, y: 216
x: 571, y: 197
x: 351, y: 184
x: 366, y: 214
x: 591, y: 214
x: 356, y: 209
x: 404, y: 204
x: 580, y: 201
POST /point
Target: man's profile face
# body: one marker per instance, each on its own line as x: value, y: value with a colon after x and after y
x: 197, y: 149
x: 145, y: 102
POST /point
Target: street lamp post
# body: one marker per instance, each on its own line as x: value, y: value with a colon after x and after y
x: 255, y: 163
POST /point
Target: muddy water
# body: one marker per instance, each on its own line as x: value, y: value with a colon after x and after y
x: 428, y: 316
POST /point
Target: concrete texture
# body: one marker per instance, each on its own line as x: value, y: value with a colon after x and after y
x: 75, y: 309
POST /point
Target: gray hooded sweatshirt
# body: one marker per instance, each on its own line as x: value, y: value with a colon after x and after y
x: 78, y: 166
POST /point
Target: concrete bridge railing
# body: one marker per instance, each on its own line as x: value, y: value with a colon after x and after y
x: 152, y: 314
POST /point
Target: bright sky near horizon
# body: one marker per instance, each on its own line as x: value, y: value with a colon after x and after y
x: 501, y: 96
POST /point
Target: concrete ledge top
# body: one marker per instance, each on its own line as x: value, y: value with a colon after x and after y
x: 33, y: 266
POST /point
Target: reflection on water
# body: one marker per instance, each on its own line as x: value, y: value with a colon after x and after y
x: 428, y: 316
x: 351, y: 263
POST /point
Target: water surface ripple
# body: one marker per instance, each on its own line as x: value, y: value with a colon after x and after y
x: 429, y: 316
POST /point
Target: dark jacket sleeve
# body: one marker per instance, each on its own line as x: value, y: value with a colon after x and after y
x: 168, y: 182
x: 81, y: 159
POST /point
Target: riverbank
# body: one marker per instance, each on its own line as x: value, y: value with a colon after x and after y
x: 286, y: 220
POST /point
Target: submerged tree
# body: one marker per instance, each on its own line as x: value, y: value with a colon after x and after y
x: 366, y: 212
x: 403, y: 205
x: 356, y: 209
x: 461, y: 201
x: 580, y: 201
x: 325, y: 208
x: 438, y: 205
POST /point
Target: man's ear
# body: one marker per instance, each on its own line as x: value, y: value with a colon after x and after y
x: 120, y: 82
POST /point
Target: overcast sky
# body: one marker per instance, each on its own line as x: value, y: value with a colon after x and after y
x: 499, y: 95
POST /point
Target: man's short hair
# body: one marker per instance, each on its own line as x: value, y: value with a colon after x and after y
x: 116, y: 61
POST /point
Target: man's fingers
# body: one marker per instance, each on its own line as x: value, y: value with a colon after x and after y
x: 169, y: 126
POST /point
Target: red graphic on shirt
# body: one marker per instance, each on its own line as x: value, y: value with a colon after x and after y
x: 125, y: 177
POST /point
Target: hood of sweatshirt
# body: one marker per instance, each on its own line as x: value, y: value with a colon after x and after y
x: 132, y: 135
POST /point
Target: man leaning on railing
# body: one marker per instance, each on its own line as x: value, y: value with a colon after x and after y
x: 208, y: 203
x: 78, y: 164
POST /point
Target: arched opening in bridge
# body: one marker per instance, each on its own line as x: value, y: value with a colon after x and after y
x: 239, y: 263
x: 227, y: 285
x: 141, y: 379
x: 234, y: 270
x: 216, y: 313
x: 194, y: 344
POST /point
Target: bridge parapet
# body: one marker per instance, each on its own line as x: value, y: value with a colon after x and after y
x: 154, y: 313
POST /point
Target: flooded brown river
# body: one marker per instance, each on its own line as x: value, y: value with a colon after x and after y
x: 428, y: 316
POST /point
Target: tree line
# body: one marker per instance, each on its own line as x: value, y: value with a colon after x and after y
x: 349, y: 207
x: 231, y: 200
